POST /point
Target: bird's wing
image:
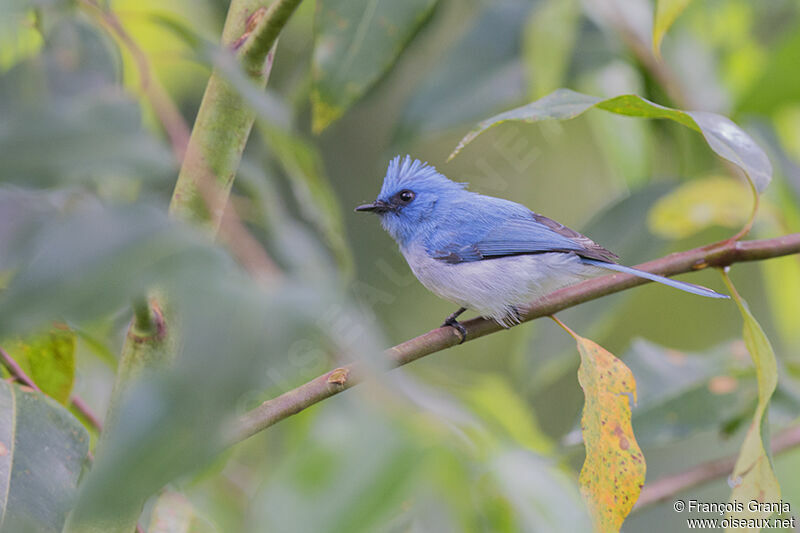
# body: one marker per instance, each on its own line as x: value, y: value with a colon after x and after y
x: 521, y: 234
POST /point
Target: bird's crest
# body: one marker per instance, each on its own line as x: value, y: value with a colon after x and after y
x: 406, y: 172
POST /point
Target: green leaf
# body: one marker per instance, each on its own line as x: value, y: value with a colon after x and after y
x: 49, y: 358
x: 550, y: 37
x: 478, y: 75
x: 667, y: 11
x: 672, y: 383
x: 782, y: 284
x: 724, y: 137
x: 506, y: 413
x: 303, y: 165
x: 698, y: 204
x: 355, y: 43
x: 42, y: 452
x: 64, y: 118
x: 543, y: 496
x: 779, y: 83
x: 352, y: 472
x: 613, y: 472
x: 96, y: 260
x: 753, y: 477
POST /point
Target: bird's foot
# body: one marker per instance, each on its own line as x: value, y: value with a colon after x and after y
x: 455, y: 324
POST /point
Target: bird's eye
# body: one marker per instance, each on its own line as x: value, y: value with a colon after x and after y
x: 405, y: 196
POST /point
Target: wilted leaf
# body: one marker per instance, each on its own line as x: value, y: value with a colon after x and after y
x: 42, y: 452
x: 49, y: 358
x: 722, y: 135
x: 753, y: 477
x: 355, y: 42
x: 613, y: 473
x: 698, y: 204
x: 667, y: 11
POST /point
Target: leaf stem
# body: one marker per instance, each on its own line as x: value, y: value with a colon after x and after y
x: 564, y: 326
x: 749, y: 224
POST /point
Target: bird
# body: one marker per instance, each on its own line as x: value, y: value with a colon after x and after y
x: 484, y: 253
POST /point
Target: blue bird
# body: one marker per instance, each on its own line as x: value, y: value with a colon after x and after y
x: 484, y: 253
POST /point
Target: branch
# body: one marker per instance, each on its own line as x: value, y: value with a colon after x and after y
x: 163, y: 106
x: 669, y: 486
x: 264, y: 34
x: 225, y: 119
x: 720, y: 254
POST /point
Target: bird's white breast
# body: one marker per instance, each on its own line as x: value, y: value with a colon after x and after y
x: 495, y: 287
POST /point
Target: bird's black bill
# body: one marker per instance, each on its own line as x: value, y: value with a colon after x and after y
x: 375, y: 207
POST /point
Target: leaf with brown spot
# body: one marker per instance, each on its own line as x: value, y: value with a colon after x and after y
x: 614, y: 470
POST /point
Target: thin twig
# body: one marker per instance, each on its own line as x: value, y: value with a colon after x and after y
x: 722, y: 254
x: 165, y: 109
x: 84, y: 409
x: 669, y: 486
x: 21, y: 376
x: 17, y: 371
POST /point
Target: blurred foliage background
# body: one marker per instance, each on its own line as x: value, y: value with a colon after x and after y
x: 481, y: 437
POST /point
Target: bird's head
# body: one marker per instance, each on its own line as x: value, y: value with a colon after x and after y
x: 412, y: 196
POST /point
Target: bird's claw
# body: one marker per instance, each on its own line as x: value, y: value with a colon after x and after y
x: 455, y: 324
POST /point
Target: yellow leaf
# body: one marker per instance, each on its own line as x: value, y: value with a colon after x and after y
x: 698, y: 204
x: 614, y: 470
x: 323, y: 113
x: 49, y: 359
x: 667, y: 11
x: 753, y: 477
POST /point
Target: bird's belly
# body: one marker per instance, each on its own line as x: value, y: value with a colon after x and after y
x: 495, y: 287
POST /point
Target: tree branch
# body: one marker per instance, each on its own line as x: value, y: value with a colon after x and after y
x: 224, y: 119
x: 670, y: 486
x: 716, y: 255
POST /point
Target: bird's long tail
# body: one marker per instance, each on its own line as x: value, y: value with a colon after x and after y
x: 682, y: 285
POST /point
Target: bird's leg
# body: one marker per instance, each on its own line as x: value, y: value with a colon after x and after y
x: 453, y: 323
